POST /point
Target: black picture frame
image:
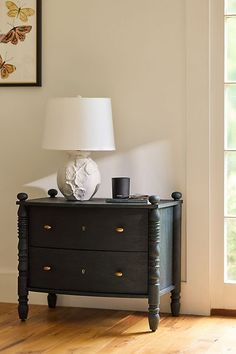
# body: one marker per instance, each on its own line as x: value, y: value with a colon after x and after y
x: 12, y: 36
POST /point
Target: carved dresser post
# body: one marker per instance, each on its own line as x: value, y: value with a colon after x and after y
x: 23, y: 257
x: 52, y: 297
x: 175, y: 294
x: 154, y: 265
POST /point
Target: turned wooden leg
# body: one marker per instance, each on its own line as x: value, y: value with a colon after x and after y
x: 175, y: 303
x: 23, y: 307
x: 153, y: 317
x: 175, y: 294
x: 154, y: 266
x: 52, y: 300
x: 23, y: 257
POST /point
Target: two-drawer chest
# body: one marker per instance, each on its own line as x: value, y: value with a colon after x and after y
x: 97, y: 248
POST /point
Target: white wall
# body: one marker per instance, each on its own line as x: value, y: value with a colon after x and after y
x: 133, y: 51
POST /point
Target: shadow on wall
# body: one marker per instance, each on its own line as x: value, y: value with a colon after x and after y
x: 151, y: 169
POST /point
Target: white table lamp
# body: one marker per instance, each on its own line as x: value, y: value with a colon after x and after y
x: 79, y: 125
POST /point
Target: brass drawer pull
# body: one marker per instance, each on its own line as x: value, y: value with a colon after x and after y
x: 119, y: 229
x: 47, y: 227
x: 118, y: 274
x: 47, y: 268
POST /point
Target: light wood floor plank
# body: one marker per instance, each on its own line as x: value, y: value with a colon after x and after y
x: 90, y: 331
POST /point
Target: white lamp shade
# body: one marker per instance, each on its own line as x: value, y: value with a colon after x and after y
x: 79, y: 123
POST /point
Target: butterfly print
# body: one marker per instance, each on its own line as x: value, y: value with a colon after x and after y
x: 16, y: 34
x: 21, y: 12
x: 6, y: 69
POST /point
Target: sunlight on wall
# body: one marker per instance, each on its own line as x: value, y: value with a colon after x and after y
x: 151, y: 169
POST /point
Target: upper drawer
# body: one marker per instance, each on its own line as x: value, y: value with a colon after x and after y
x: 117, y: 229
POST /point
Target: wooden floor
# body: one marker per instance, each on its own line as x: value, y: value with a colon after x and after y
x: 74, y: 330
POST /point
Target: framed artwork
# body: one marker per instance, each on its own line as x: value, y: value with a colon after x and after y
x: 20, y: 43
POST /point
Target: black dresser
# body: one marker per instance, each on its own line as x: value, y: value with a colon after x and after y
x: 97, y: 248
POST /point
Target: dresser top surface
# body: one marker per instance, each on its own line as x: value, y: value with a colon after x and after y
x: 97, y: 203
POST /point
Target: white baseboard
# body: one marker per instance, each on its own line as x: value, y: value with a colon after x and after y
x: 8, y: 293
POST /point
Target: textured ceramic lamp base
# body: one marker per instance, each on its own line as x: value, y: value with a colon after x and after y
x: 79, y: 178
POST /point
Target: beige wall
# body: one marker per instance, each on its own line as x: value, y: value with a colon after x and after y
x: 130, y: 50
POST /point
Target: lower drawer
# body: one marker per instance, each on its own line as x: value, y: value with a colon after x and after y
x: 88, y: 271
